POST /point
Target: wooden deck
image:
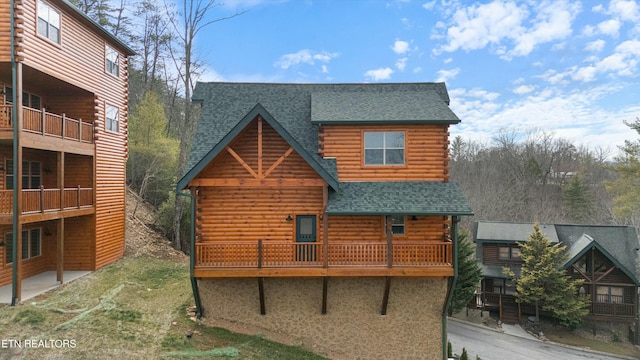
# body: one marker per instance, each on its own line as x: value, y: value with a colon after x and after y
x: 279, y: 259
x: 43, y: 200
x: 48, y: 124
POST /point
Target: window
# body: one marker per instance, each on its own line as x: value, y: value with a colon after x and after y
x: 31, y: 245
x: 384, y: 148
x: 112, y: 63
x: 508, y: 253
x: 397, y: 225
x: 112, y: 118
x: 31, y: 174
x: 28, y: 100
x: 610, y: 294
x: 48, y: 22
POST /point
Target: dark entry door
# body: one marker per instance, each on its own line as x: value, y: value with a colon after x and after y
x: 305, y: 237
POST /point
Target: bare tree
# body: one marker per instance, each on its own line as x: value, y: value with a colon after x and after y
x: 187, y: 24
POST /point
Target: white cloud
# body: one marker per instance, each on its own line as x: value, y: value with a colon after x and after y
x: 445, y: 75
x: 304, y: 57
x: 595, y: 46
x: 626, y: 10
x: 379, y: 74
x: 401, y: 63
x: 429, y: 5
x: 325, y: 69
x: 503, y: 23
x: 523, y: 89
x: 609, y: 27
x: 400, y: 47
x: 574, y: 115
x: 587, y: 73
x: 447, y: 60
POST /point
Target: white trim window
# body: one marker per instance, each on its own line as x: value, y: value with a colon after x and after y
x: 384, y: 148
x: 111, y: 118
x: 48, y: 22
x: 112, y: 62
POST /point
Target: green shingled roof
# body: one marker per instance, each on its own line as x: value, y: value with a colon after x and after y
x: 398, y: 198
x: 226, y: 105
x: 380, y: 107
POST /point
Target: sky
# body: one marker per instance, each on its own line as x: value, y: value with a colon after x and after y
x: 569, y: 68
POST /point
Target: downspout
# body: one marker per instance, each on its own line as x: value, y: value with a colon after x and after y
x: 192, y: 241
x: 14, y: 116
x: 452, y: 284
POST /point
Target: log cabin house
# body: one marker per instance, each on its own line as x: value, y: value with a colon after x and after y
x: 605, y: 257
x: 330, y: 204
x: 63, y: 141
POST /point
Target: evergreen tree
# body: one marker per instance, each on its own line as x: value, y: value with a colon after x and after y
x: 578, y: 200
x: 626, y: 188
x: 469, y: 273
x: 543, y: 282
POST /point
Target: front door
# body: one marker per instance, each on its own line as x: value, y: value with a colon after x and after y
x: 305, y: 237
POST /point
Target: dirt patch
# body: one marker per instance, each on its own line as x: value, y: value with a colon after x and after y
x: 141, y: 238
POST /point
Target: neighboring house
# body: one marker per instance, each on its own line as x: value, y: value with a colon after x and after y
x: 63, y: 147
x: 323, y: 207
x: 605, y: 257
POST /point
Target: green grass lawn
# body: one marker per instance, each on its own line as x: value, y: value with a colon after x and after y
x: 134, y: 309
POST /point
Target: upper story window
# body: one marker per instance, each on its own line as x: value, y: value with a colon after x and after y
x: 509, y: 253
x: 111, y: 118
x: 48, y: 22
x: 384, y: 148
x: 31, y: 174
x: 28, y: 99
x: 111, y: 60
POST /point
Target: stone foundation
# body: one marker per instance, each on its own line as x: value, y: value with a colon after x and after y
x: 352, y: 328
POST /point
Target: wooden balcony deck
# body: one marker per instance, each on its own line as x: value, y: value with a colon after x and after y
x: 48, y: 124
x: 45, y: 200
x: 276, y: 259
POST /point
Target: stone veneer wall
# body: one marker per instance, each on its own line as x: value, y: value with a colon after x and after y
x: 352, y: 328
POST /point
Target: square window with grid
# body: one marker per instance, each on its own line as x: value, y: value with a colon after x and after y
x: 384, y: 148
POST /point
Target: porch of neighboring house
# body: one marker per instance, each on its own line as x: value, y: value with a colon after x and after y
x: 38, y: 284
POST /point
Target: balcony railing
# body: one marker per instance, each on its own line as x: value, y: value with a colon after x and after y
x: 44, y: 200
x: 261, y: 255
x: 48, y: 124
x: 606, y: 308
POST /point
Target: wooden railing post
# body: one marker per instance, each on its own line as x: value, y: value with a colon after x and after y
x: 64, y: 121
x: 78, y: 196
x: 42, y: 198
x: 260, y: 254
x: 389, y: 242
x: 44, y: 120
x: 79, y: 130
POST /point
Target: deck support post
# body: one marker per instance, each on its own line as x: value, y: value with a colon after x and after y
x: 325, y: 285
x: 263, y: 310
x: 385, y: 297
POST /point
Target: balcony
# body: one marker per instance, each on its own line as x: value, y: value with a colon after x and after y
x: 278, y: 259
x: 48, y: 124
x: 43, y: 200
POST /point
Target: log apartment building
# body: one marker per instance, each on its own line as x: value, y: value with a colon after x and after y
x: 63, y: 141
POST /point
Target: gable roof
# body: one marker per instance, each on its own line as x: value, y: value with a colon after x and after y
x: 619, y: 244
x: 238, y: 128
x: 228, y: 107
x: 398, y: 198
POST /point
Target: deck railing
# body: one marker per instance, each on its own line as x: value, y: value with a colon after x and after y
x: 43, y: 200
x: 48, y: 124
x: 606, y: 308
x: 264, y: 254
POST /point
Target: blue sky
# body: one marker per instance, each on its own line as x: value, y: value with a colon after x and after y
x: 568, y: 67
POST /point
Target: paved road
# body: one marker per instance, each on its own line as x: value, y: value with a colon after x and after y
x: 492, y: 345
